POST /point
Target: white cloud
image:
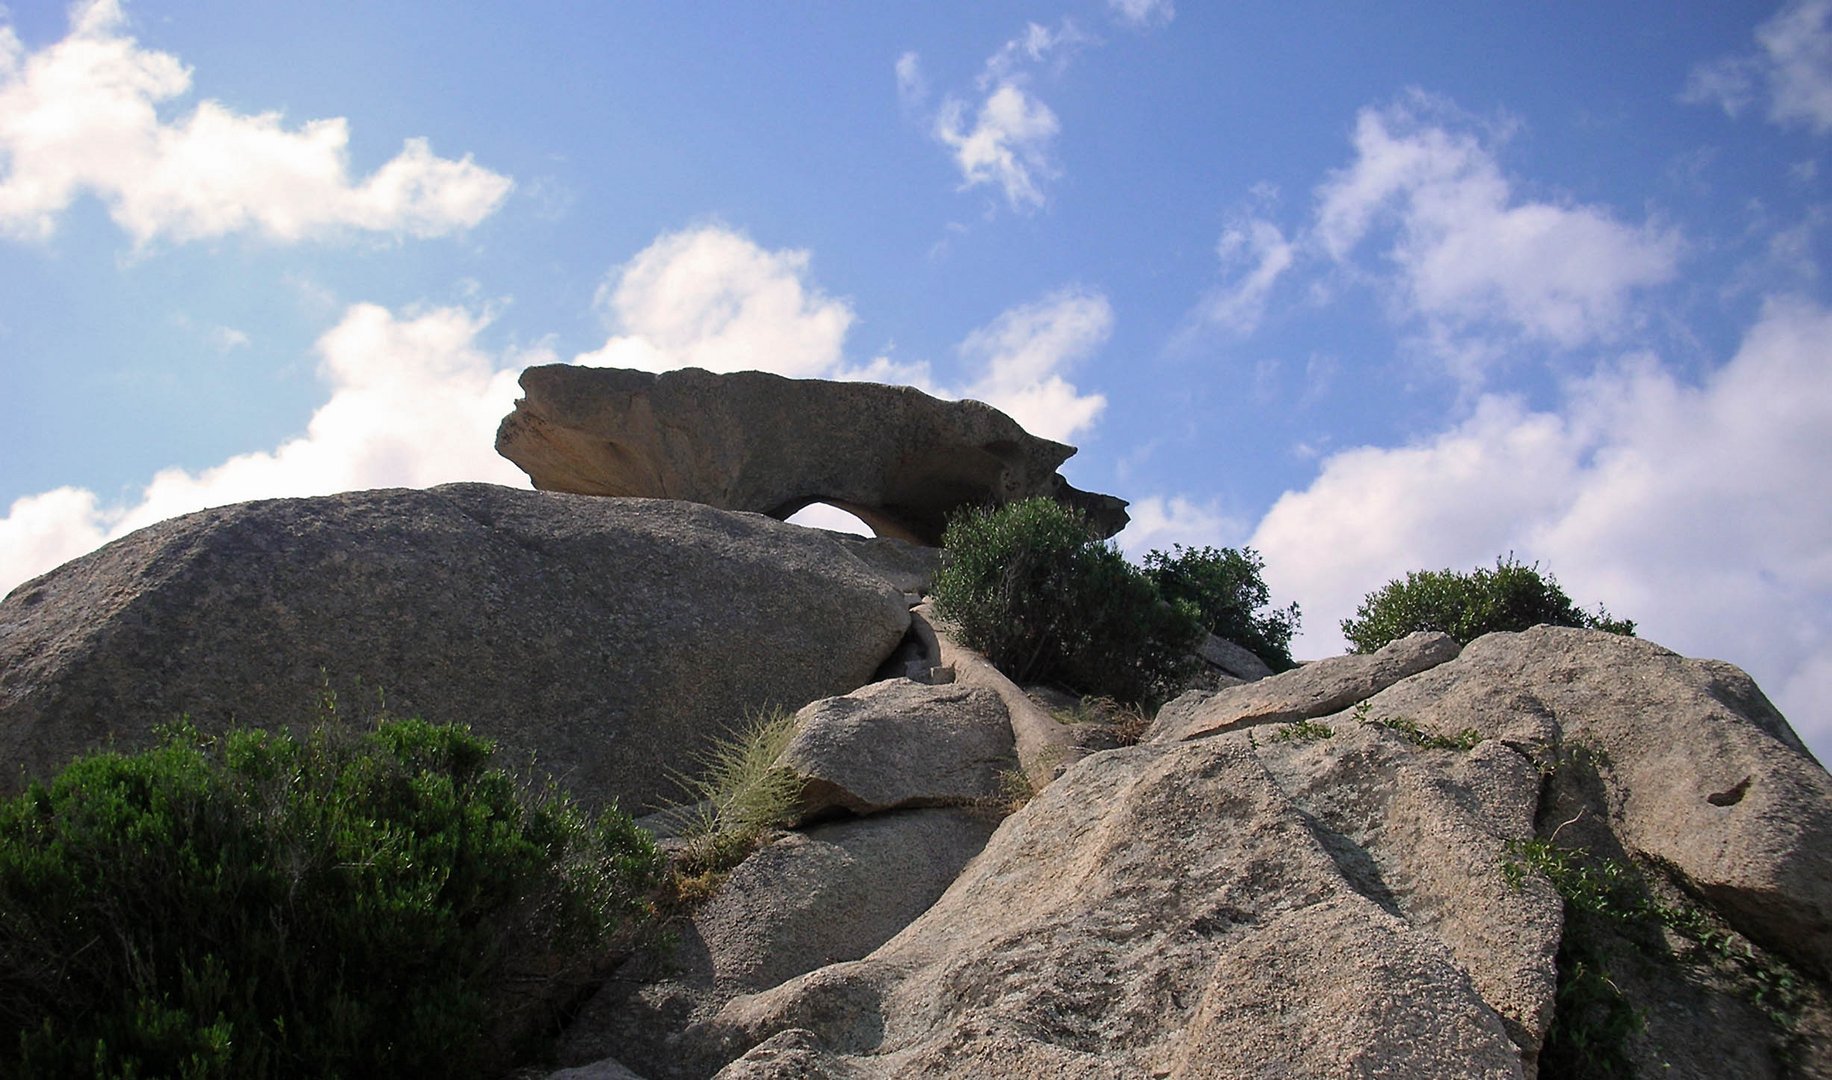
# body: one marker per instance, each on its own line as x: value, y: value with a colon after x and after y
x: 1793, y: 63
x: 1008, y: 144
x: 1257, y: 254
x: 1797, y: 48
x: 1472, y: 256
x: 1699, y: 511
x: 1020, y: 357
x: 82, y: 116
x: 1005, y: 140
x: 1142, y: 13
x: 42, y: 531
x: 413, y: 401
x: 712, y: 298
x: 1160, y: 521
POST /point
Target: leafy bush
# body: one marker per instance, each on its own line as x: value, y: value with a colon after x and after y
x: 1032, y: 588
x: 1513, y: 596
x: 265, y: 905
x: 1226, y: 589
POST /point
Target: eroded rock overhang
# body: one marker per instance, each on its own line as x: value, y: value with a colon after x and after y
x: 896, y: 458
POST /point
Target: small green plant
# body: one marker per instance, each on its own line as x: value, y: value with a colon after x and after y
x: 1613, y: 892
x: 1512, y: 596
x: 1409, y: 729
x: 1230, y: 597
x: 1030, y: 586
x: 260, y: 904
x: 1303, y: 731
x: 739, y: 794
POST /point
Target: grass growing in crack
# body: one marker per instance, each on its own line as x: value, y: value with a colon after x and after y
x: 1609, y: 891
x: 739, y: 794
x: 1409, y: 729
x: 1127, y: 721
x: 1303, y: 731
x: 1015, y: 792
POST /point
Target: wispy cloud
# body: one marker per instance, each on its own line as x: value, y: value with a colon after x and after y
x: 1470, y: 253
x: 1002, y: 135
x: 81, y: 117
x: 1254, y: 254
x: 1471, y: 266
x: 1792, y: 67
x: 1694, y: 509
x: 912, y: 84
x: 1139, y: 14
x: 1006, y: 144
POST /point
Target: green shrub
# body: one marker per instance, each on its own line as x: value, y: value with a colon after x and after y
x: 1226, y: 589
x: 1034, y: 590
x: 265, y: 905
x: 1512, y: 596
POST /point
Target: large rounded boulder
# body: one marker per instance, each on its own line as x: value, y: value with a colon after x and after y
x: 610, y: 638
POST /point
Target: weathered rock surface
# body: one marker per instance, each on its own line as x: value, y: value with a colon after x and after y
x: 1698, y: 771
x: 898, y: 744
x: 611, y: 637
x: 894, y: 457
x: 1304, y: 693
x: 1176, y: 911
x: 1251, y: 897
x: 831, y: 893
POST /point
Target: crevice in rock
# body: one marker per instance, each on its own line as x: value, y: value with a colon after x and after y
x: 1356, y: 864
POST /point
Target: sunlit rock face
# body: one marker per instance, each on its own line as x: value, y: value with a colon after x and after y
x: 898, y: 459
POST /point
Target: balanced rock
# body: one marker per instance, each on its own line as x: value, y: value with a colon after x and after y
x: 611, y: 638
x: 896, y: 458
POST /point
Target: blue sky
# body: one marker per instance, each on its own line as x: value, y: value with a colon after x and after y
x: 1369, y: 287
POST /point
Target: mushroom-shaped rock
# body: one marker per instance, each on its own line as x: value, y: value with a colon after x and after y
x: 898, y: 459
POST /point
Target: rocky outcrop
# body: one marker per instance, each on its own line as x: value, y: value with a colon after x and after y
x: 1694, y: 770
x: 1178, y: 911
x: 898, y: 459
x: 610, y: 637
x: 1333, y: 872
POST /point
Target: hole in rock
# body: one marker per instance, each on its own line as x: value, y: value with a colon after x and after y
x: 1731, y: 797
x: 822, y: 516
